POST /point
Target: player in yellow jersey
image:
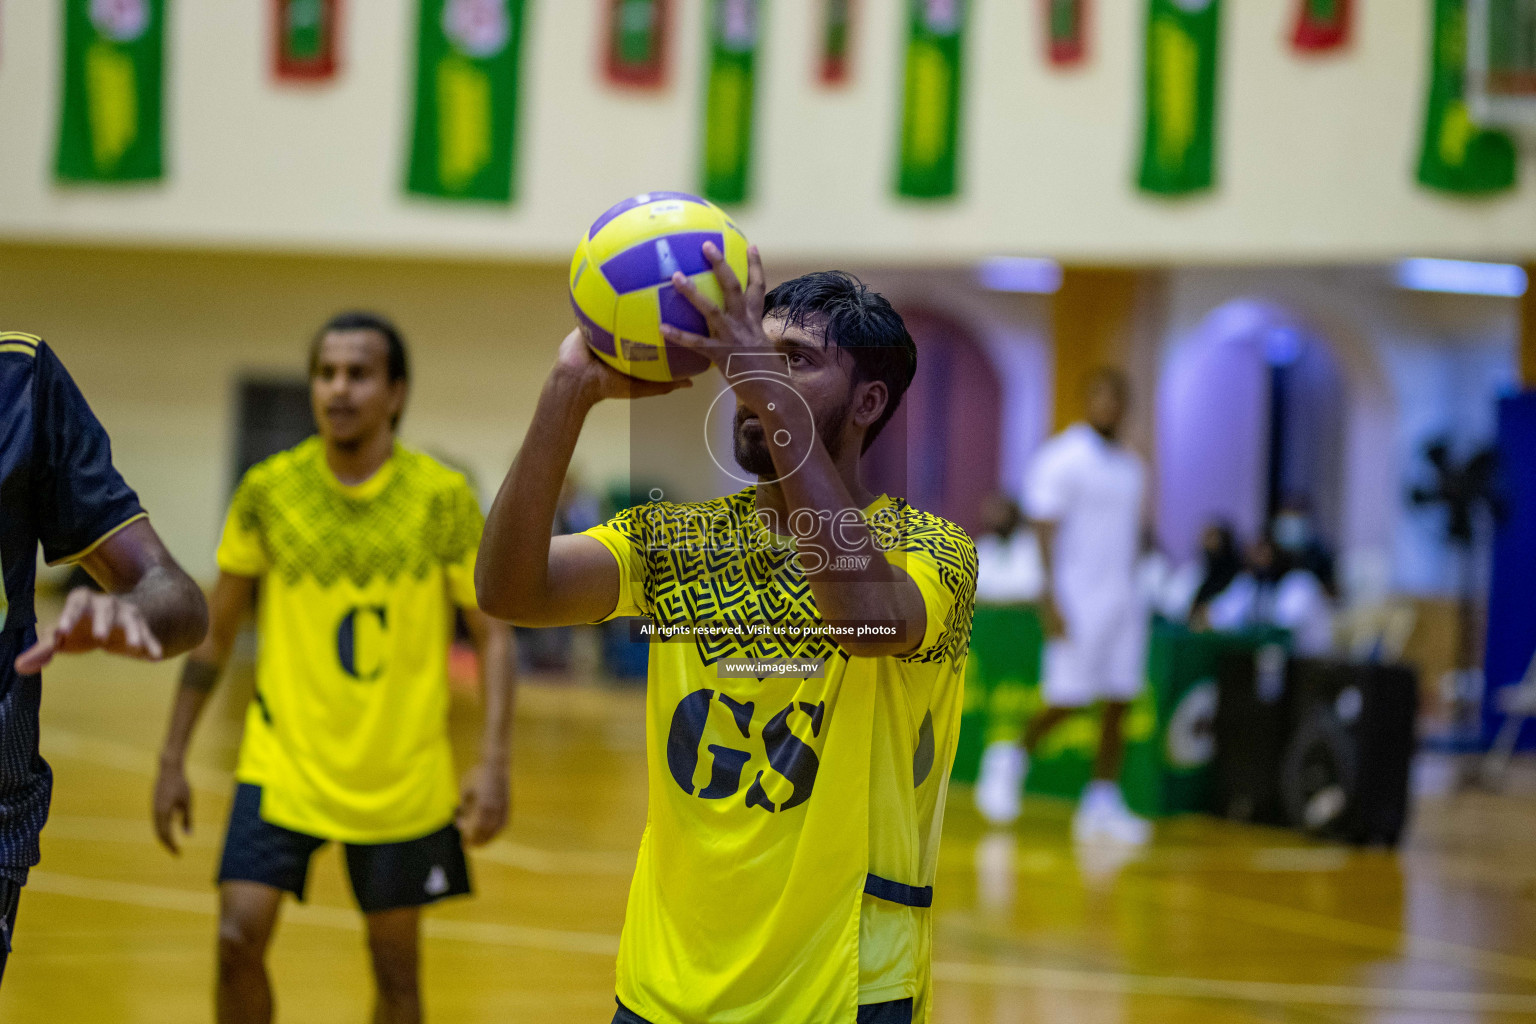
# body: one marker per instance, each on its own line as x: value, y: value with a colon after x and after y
x: 796, y: 775
x: 362, y: 549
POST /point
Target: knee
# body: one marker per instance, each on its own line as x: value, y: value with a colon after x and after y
x: 241, y: 947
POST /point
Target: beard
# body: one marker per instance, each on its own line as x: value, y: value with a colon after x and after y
x: 751, y: 445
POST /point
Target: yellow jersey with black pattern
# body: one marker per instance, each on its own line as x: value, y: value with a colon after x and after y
x: 786, y: 869
x: 347, y: 734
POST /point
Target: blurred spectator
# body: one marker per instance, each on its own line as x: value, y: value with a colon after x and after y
x: 579, y: 509
x: 1218, y: 565
x: 1295, y: 532
x: 1009, y: 570
x: 1273, y: 591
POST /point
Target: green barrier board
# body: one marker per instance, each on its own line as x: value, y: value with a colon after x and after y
x: 1169, y: 739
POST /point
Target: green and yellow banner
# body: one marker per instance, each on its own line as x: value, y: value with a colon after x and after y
x: 1183, y: 45
x: 931, y: 108
x: 110, y: 128
x: 730, y: 99
x: 1457, y: 155
x: 467, y: 62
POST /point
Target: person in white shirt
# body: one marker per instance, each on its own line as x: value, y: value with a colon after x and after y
x: 1085, y: 496
x: 1009, y: 569
x: 1273, y: 591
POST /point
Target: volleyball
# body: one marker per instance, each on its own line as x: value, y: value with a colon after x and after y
x: 621, y: 280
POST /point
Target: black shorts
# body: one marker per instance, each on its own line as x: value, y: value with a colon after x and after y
x: 897, y: 1011
x: 385, y: 876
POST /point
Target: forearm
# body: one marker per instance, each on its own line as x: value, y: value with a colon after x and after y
x: 498, y: 688
x: 853, y: 582
x: 512, y: 571
x: 198, y: 678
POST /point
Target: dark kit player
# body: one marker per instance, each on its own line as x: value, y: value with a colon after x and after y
x: 58, y: 488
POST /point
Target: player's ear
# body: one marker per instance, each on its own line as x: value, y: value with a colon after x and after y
x: 869, y: 401
x: 399, y: 390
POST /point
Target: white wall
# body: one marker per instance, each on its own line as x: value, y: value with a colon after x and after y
x: 1316, y: 154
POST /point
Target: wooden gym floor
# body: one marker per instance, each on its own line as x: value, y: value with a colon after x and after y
x: 1215, y: 922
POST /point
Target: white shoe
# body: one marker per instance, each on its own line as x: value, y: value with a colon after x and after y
x: 1102, y: 817
x: 1000, y: 784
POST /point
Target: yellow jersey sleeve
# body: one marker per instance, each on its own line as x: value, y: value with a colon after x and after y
x: 941, y: 560
x: 241, y: 550
x: 623, y: 536
x: 465, y: 524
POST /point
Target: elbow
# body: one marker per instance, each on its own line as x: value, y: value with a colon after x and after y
x: 499, y: 601
x: 191, y: 620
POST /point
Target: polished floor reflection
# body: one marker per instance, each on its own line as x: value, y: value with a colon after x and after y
x: 1215, y: 922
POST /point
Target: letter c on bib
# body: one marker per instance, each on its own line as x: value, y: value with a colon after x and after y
x: 360, y: 642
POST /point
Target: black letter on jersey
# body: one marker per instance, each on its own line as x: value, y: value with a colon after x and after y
x: 791, y: 758
x: 346, y: 642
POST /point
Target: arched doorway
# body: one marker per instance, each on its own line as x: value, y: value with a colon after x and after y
x: 1251, y: 410
x: 941, y: 450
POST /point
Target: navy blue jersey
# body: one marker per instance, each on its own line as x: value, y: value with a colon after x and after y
x: 58, y: 488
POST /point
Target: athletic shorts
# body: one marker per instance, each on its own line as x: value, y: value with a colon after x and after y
x: 10, y: 900
x: 385, y: 876
x: 1102, y: 657
x: 898, y: 1011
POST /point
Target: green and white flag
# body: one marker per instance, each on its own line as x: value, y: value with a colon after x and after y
x: 730, y: 101
x: 467, y: 62
x: 930, y: 119
x: 111, y: 125
x: 1456, y: 154
x: 1179, y: 138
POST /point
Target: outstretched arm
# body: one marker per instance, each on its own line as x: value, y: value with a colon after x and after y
x: 173, y: 796
x: 152, y: 609
x: 521, y: 574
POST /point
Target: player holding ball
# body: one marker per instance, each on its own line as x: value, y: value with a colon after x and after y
x: 786, y: 869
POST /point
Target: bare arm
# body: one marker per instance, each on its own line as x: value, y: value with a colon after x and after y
x: 152, y: 609
x: 862, y: 589
x: 521, y: 575
x: 1050, y: 615
x: 485, y: 797
x: 173, y: 796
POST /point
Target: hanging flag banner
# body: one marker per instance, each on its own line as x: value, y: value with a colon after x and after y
x: 1066, y: 31
x: 1457, y: 155
x: 729, y: 104
x: 836, y: 40
x: 1179, y: 138
x: 463, y: 140
x: 304, y: 39
x: 110, y: 127
x: 930, y: 120
x: 639, y: 40
x: 1322, y: 24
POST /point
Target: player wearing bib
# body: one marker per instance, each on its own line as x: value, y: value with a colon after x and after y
x: 361, y: 563
x: 786, y: 870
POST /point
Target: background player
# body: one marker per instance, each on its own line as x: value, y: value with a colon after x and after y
x: 362, y: 549
x: 789, y: 881
x: 58, y: 488
x: 1085, y: 494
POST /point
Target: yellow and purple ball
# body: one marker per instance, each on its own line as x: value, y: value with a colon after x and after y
x: 621, y: 280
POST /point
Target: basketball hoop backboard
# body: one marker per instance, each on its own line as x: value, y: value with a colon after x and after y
x: 1501, y: 64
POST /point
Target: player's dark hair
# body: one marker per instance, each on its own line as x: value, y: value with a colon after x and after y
x: 397, y: 361
x: 860, y: 322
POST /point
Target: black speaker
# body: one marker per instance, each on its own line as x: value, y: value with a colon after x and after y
x: 1253, y: 724
x: 1345, y: 771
